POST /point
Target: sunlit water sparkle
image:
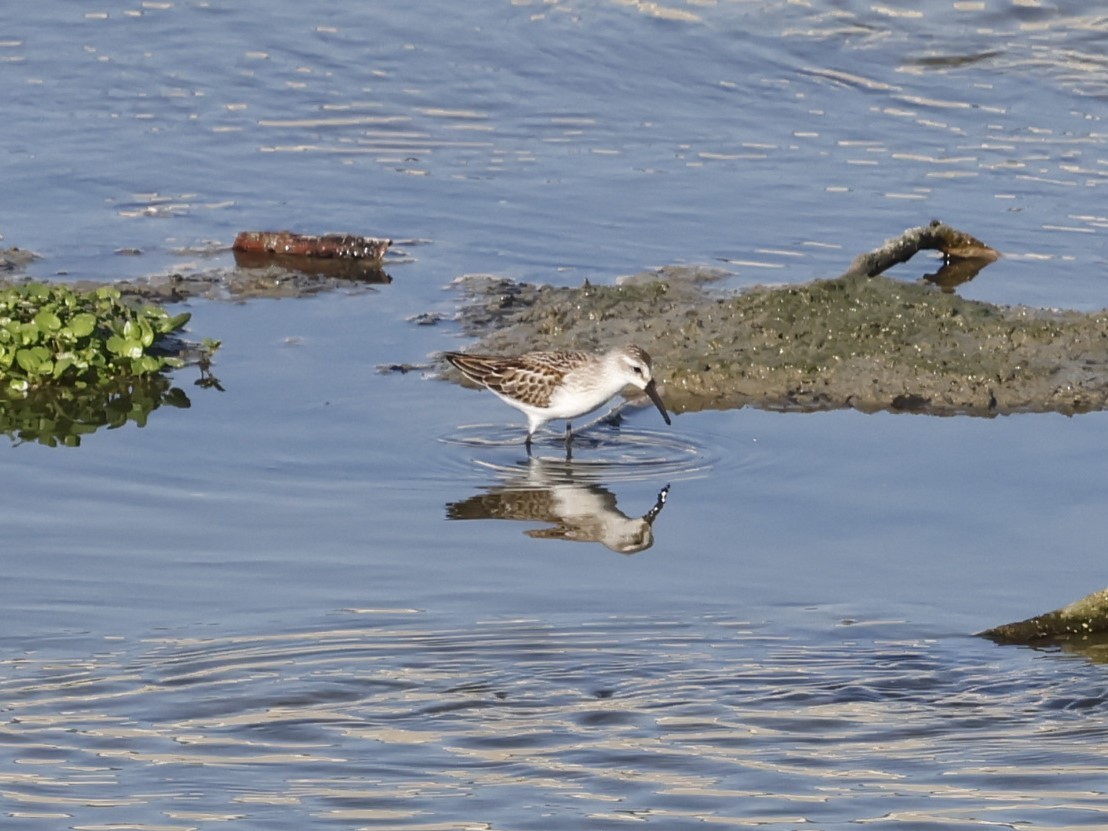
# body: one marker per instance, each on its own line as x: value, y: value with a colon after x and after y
x: 376, y: 720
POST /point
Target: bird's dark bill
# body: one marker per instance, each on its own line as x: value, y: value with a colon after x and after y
x: 652, y: 391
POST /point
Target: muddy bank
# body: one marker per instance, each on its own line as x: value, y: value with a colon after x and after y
x: 270, y: 281
x: 214, y: 284
x: 15, y: 259
x: 870, y: 343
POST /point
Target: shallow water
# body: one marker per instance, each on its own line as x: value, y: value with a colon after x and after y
x: 281, y: 608
x: 586, y: 139
x: 375, y: 720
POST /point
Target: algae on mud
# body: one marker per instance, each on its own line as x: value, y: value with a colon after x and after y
x: 869, y: 343
x: 1084, y: 621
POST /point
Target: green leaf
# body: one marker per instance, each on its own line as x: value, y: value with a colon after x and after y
x: 124, y: 347
x: 83, y: 324
x: 146, y: 333
x: 48, y: 321
x: 61, y: 365
x: 178, y: 321
x: 28, y: 361
x: 147, y: 364
x: 108, y: 293
x: 29, y: 333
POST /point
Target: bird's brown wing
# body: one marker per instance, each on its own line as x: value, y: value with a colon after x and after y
x: 531, y: 378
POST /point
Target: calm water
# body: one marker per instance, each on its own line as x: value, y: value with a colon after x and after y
x: 266, y: 611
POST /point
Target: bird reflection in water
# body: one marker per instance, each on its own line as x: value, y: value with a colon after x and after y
x: 577, y: 512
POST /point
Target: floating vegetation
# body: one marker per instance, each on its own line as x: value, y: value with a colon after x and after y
x: 73, y: 361
x: 51, y: 335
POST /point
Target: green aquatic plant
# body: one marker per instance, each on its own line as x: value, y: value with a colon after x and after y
x: 72, y: 362
x: 54, y: 336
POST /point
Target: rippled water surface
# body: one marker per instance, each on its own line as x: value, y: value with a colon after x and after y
x: 379, y: 721
x: 333, y: 597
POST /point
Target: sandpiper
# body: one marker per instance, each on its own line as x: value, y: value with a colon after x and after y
x: 549, y: 385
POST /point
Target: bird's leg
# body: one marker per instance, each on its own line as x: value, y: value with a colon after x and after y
x: 613, y: 417
x: 527, y: 444
x: 569, y: 436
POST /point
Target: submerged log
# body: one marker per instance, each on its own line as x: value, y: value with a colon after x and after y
x: 328, y: 246
x: 1079, y: 620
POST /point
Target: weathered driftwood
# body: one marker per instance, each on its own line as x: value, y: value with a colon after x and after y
x: 1079, y: 620
x: 936, y: 236
x: 329, y: 246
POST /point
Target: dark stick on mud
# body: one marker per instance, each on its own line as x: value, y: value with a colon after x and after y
x: 936, y: 236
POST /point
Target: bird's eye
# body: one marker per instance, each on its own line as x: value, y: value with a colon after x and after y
x: 638, y: 370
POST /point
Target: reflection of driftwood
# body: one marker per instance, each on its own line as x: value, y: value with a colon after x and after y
x: 330, y: 246
x: 1081, y: 619
x: 937, y: 236
x: 956, y: 271
x: 340, y: 268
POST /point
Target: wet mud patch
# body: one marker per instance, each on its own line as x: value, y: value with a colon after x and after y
x: 1082, y: 626
x: 257, y: 273
x: 868, y: 343
x: 271, y: 281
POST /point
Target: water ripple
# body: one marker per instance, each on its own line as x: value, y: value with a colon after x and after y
x: 706, y: 720
x: 602, y: 454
